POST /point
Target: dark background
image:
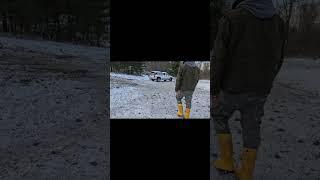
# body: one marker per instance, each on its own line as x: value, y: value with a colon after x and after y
x: 77, y: 21
x: 152, y: 149
x: 159, y: 30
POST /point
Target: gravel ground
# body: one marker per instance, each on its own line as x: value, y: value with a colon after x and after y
x: 290, y: 128
x: 140, y: 98
x: 52, y: 111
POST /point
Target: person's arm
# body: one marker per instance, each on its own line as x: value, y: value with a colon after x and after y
x: 179, y: 78
x: 219, y: 54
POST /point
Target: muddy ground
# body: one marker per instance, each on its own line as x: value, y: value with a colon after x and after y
x: 53, y: 120
x: 290, y: 129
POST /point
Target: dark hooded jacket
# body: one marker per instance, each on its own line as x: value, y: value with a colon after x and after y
x: 187, y: 77
x: 248, y: 51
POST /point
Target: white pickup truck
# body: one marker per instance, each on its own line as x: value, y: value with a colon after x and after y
x: 160, y: 76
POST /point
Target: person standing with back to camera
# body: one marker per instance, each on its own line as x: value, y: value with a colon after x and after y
x: 186, y: 82
x: 247, y: 56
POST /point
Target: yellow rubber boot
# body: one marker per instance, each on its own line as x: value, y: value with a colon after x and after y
x: 248, y: 161
x: 225, y: 160
x: 180, y: 110
x: 187, y: 113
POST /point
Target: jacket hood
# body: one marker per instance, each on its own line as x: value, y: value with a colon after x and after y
x: 262, y: 9
x: 190, y: 63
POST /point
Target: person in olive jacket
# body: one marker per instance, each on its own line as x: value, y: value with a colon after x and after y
x: 186, y: 82
x: 247, y: 56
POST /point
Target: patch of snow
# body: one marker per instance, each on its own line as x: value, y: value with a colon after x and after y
x: 130, y: 77
x: 204, y: 84
x: 124, y: 94
x: 54, y: 48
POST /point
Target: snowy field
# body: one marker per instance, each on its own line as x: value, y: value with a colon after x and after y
x: 290, y: 147
x: 52, y: 111
x: 139, y: 97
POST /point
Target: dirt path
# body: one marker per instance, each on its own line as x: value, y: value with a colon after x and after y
x: 290, y: 128
x: 139, y: 97
x: 52, y: 114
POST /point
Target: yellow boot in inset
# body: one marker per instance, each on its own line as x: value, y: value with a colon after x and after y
x: 187, y: 113
x: 225, y: 160
x: 180, y: 110
x: 248, y: 161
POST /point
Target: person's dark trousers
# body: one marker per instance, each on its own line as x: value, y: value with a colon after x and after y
x: 251, y: 107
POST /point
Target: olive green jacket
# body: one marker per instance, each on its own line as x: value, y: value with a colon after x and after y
x: 187, y: 78
x: 248, y: 53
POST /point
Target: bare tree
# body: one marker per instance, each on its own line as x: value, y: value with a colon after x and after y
x: 285, y: 9
x: 308, y: 14
x: 301, y: 24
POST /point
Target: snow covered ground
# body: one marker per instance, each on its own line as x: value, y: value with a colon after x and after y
x: 56, y: 49
x: 138, y: 97
x: 52, y: 111
x: 290, y: 147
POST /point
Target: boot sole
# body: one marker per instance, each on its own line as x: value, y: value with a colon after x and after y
x: 218, y: 167
x: 223, y: 171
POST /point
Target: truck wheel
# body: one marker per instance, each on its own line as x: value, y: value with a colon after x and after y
x: 170, y: 79
x: 158, y: 79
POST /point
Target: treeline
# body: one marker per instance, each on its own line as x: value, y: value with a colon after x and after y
x: 302, y: 20
x: 139, y: 68
x: 77, y: 21
x: 171, y: 67
x: 304, y: 30
x: 135, y: 68
x: 205, y: 71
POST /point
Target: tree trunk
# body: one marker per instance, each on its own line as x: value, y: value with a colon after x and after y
x: 21, y: 28
x: 289, y: 20
x: 4, y: 22
x: 27, y: 28
x: 11, y: 24
x: 58, y: 27
x: 70, y: 28
x: 47, y: 28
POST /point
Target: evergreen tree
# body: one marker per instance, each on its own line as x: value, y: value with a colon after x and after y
x: 135, y: 68
x: 68, y: 20
x: 174, y: 67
